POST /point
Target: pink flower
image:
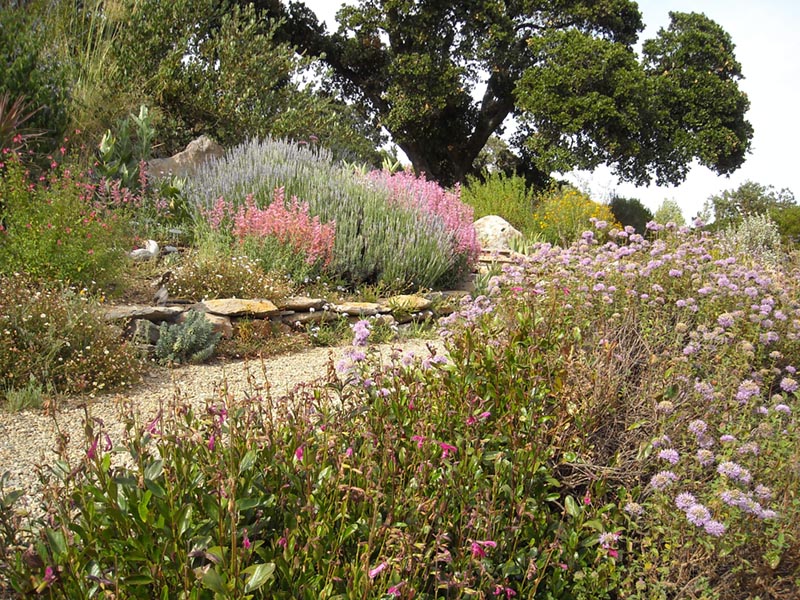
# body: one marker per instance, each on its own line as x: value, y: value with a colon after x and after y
x: 587, y: 499
x: 447, y: 449
x: 395, y: 589
x: 348, y: 453
x: 499, y: 590
x: 298, y: 454
x: 212, y: 442
x: 246, y: 541
x: 92, y: 451
x: 373, y: 573
x: 420, y: 439
x: 478, y: 547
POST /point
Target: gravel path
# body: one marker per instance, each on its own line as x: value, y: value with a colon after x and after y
x: 29, y: 438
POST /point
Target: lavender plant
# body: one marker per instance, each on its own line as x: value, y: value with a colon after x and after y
x: 376, y: 240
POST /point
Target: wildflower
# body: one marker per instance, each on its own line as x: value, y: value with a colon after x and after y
x: 727, y: 438
x: 447, y: 449
x: 670, y: 455
x: 662, y: 479
x: 246, y: 541
x: 373, y: 573
x: 684, y: 500
x: 734, y: 471
x: 633, y: 508
x: 747, y: 389
x: 714, y: 528
x: 283, y: 542
x: 361, y: 330
x: 395, y: 589
x: 607, y: 539
x: 666, y: 407
x: 420, y: 439
x: 763, y: 492
x: 478, y: 547
x: 698, y: 427
x: 211, y: 442
x: 697, y: 514
x: 499, y: 590
x: 725, y: 320
x: 783, y: 408
x: 298, y: 453
x: 788, y: 384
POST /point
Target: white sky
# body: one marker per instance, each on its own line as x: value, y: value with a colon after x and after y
x: 767, y: 39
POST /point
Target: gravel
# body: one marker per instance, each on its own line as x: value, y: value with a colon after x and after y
x: 30, y: 438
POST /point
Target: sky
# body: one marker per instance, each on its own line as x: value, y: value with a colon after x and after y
x: 767, y: 47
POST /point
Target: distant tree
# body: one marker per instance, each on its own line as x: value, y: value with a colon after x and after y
x: 731, y: 206
x: 567, y: 70
x: 669, y: 212
x: 631, y: 211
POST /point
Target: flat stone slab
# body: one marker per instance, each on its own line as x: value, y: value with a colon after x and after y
x: 219, y: 324
x: 359, y: 309
x: 235, y: 307
x: 320, y: 316
x: 408, y: 303
x: 139, y: 311
x: 302, y: 303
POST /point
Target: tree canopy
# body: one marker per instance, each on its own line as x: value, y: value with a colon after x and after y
x: 567, y: 71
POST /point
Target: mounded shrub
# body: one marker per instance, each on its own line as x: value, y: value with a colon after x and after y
x: 377, y: 240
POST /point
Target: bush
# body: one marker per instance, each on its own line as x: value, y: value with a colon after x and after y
x: 631, y: 212
x: 205, y: 274
x: 377, y: 240
x: 756, y: 237
x: 56, y: 339
x: 191, y: 341
x: 564, y: 213
x: 507, y: 196
x: 53, y: 230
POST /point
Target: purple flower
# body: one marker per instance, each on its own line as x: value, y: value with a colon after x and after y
x: 666, y: 407
x: 698, y: 514
x: 662, y: 479
x: 607, y: 539
x: 675, y: 272
x: 747, y: 389
x: 714, y: 528
x: 634, y: 508
x: 725, y: 320
x: 479, y: 547
x: 698, y: 427
x: 705, y: 457
x: 788, y: 384
x: 734, y: 471
x: 783, y: 408
x: 684, y: 500
x: 727, y: 438
x: 670, y: 455
x: 246, y: 541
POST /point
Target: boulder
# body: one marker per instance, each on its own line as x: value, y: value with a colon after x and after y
x: 145, y: 332
x: 221, y: 325
x: 186, y: 162
x: 302, y: 304
x: 495, y: 233
x: 235, y: 307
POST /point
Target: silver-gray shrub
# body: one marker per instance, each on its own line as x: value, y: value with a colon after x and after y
x: 376, y: 241
x: 756, y: 236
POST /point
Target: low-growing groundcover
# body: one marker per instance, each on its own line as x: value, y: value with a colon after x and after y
x: 616, y: 419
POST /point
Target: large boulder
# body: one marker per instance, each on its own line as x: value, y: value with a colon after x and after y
x: 495, y: 233
x: 186, y: 162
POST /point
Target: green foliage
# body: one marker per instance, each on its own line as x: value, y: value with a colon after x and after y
x: 28, y: 71
x: 788, y: 221
x: 55, y: 340
x: 568, y: 70
x: 14, y: 116
x: 631, y: 212
x: 191, y: 341
x: 209, y: 273
x: 53, y: 230
x: 377, y: 240
x: 729, y: 207
x: 564, y: 213
x: 120, y: 154
x: 505, y: 195
x: 31, y: 396
x: 756, y: 237
x: 669, y: 211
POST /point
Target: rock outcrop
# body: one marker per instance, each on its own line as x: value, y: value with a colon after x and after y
x: 186, y: 162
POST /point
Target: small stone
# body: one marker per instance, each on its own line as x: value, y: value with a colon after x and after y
x: 145, y: 332
x: 408, y: 303
x: 235, y: 307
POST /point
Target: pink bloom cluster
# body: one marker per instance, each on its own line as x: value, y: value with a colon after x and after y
x: 431, y: 198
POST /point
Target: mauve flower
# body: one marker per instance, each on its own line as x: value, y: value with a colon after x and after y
x: 734, y: 471
x: 298, y: 454
x: 714, y: 528
x: 478, y: 547
x: 246, y: 541
x: 395, y: 589
x: 725, y: 320
x: 663, y: 479
x: 698, y: 427
x: 783, y: 408
x: 684, y: 500
x: 634, y: 508
x: 788, y: 384
x: 420, y: 439
x: 373, y: 573
x: 670, y: 455
x: 447, y: 449
x: 697, y: 514
x: 705, y: 457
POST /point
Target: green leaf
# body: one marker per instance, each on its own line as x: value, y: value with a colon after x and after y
x: 58, y: 543
x: 247, y: 461
x: 154, y: 469
x: 139, y: 580
x: 573, y: 508
x: 142, y: 507
x: 259, y: 575
x: 211, y: 580
x: 185, y: 519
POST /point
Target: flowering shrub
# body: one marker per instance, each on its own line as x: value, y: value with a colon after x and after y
x: 376, y: 241
x: 280, y: 237
x: 430, y: 198
x: 563, y: 213
x: 52, y: 229
x: 58, y: 338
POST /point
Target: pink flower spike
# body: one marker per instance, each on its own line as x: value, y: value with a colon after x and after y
x: 613, y: 553
x: 283, y: 542
x: 447, y: 449
x: 478, y: 547
x: 373, y: 573
x: 298, y: 454
x: 92, y: 451
x: 420, y: 439
x: 395, y: 589
x: 212, y: 442
x: 246, y: 541
x: 348, y: 453
x: 485, y: 415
